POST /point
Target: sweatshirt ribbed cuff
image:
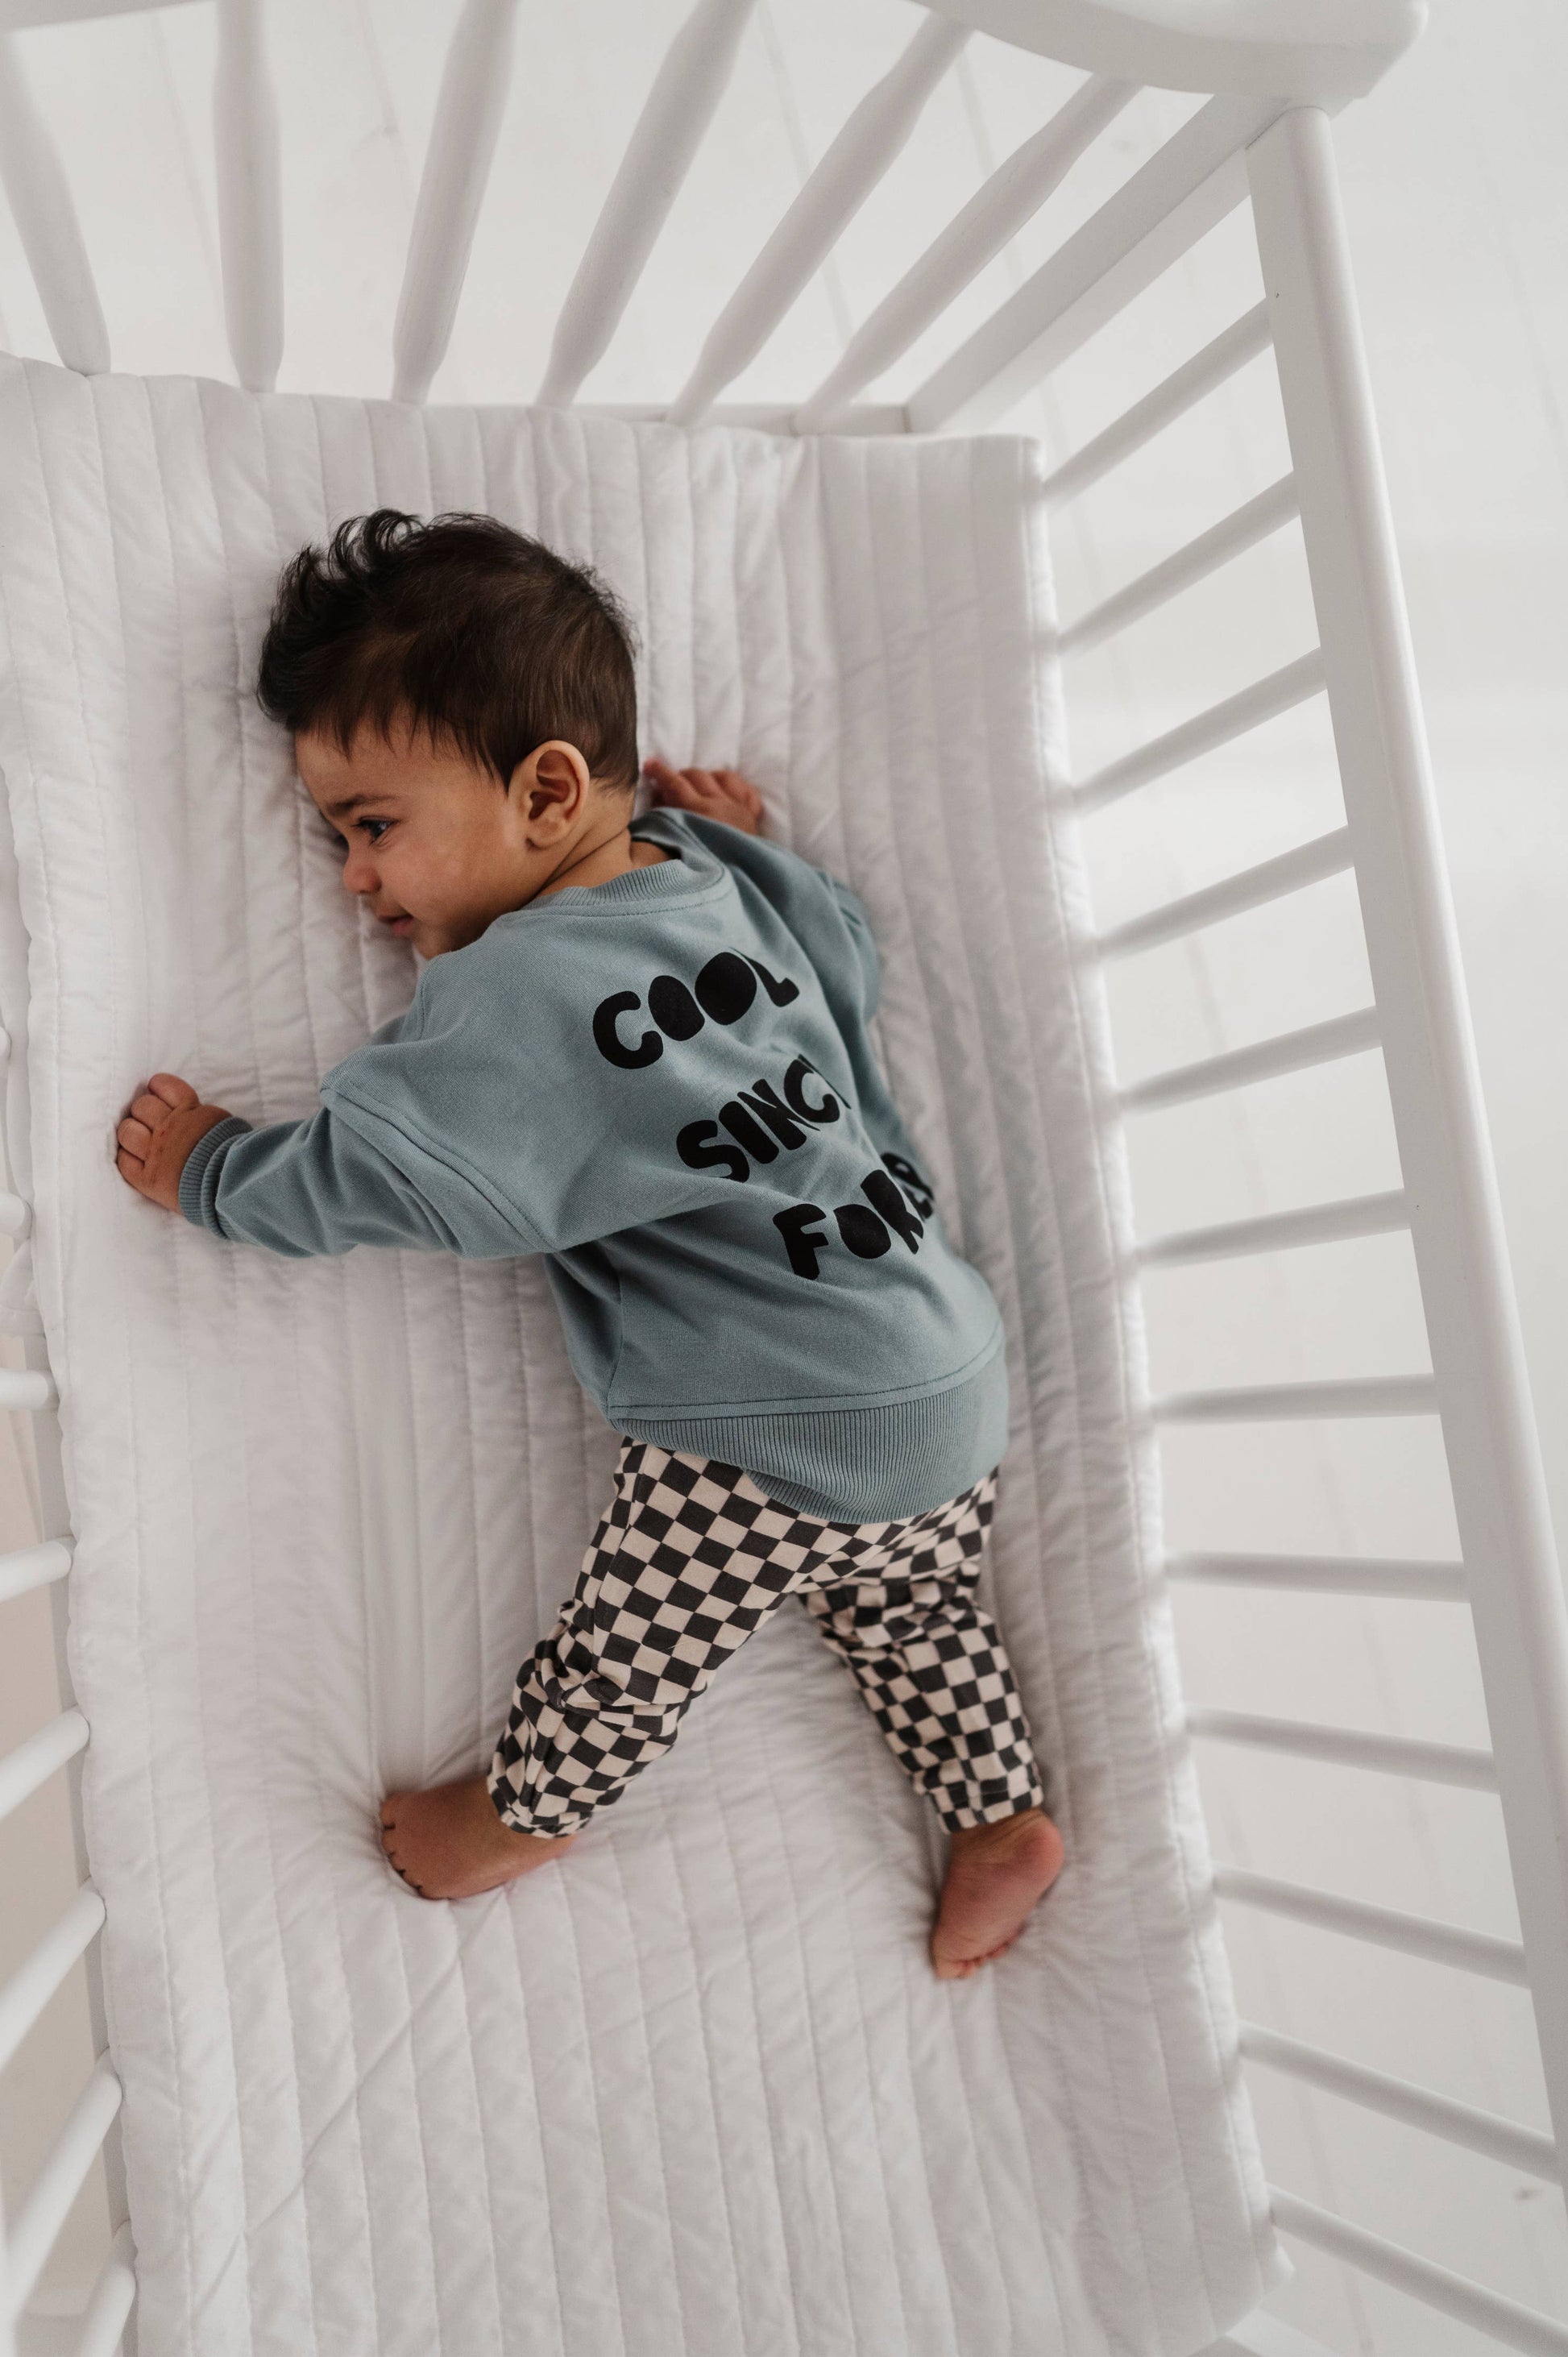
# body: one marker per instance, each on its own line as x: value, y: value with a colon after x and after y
x: 203, y: 1165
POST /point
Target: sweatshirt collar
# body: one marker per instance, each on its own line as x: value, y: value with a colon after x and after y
x: 692, y: 873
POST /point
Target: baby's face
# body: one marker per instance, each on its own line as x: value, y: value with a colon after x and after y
x: 437, y: 848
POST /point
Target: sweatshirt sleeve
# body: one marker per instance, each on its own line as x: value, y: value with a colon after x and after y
x: 858, y: 925
x: 825, y: 916
x: 324, y: 1185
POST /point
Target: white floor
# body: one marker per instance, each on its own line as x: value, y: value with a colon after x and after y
x: 1458, y: 210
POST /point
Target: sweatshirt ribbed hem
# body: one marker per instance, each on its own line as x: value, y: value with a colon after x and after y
x: 857, y: 1464
x: 199, y: 1179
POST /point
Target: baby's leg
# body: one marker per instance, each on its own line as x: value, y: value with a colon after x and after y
x: 683, y: 1567
x: 931, y: 1668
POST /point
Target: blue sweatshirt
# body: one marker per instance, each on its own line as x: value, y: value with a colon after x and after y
x: 665, y: 1086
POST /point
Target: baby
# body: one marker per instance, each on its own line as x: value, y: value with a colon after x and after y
x: 638, y: 1047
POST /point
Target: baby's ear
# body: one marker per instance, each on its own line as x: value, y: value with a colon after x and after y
x: 552, y: 788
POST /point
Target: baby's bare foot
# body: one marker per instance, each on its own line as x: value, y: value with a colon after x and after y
x: 995, y: 1873
x: 448, y: 1843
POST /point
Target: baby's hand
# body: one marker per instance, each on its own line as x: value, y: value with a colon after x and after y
x: 157, y: 1134
x: 708, y: 793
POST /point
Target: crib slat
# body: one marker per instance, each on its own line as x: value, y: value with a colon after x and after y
x: 33, y: 1983
x: 1436, y: 2287
x: 1302, y: 1402
x: 1252, y: 887
x: 1390, y: 1755
x: 1289, y: 1051
x: 16, y: 1216
x: 680, y: 106
x: 28, y: 1568
x: 854, y: 162
x: 1409, y: 1935
x: 46, y: 220
x: 250, y: 202
x: 1194, y: 180
x: 108, y: 2310
x: 474, y: 83
x: 34, y: 1762
x: 1242, y: 529
x: 1326, y: 1574
x: 1206, y: 732
x: 1318, y: 1223
x: 1171, y: 399
x: 57, y: 2183
x: 29, y: 1389
x: 974, y: 236
x: 1400, y: 2099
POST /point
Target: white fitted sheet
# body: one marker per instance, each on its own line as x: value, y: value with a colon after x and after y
x: 695, y: 2093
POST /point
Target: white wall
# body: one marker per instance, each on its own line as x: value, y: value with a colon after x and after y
x: 1459, y: 218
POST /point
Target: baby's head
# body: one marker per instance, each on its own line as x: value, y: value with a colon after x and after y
x: 464, y: 714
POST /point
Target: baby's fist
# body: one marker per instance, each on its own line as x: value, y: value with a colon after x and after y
x: 708, y: 793
x: 157, y: 1134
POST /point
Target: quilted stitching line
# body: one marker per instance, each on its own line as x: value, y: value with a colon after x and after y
x: 155, y: 1812
x: 822, y: 457
x: 327, y: 505
x: 529, y: 1424
x: 763, y: 2083
x: 782, y: 1851
x: 230, y: 1279
x: 1073, y: 1393
x: 921, y: 529
x: 247, y: 794
x: 371, y: 1716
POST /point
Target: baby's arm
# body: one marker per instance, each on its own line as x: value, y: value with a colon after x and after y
x: 306, y: 1188
x: 724, y: 794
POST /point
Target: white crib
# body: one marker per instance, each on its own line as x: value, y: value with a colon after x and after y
x: 1271, y: 73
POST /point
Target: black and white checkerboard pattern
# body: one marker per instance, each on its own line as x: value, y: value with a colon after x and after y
x: 689, y: 1559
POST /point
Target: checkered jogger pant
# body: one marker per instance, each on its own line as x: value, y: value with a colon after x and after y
x: 688, y: 1560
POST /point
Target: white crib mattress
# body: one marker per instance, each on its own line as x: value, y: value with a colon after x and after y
x: 696, y: 2093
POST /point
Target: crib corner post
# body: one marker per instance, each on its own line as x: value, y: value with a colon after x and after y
x: 1494, y: 1457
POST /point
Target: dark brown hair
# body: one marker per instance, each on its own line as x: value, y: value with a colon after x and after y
x: 484, y: 637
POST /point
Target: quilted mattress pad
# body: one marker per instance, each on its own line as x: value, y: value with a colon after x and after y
x: 696, y: 2093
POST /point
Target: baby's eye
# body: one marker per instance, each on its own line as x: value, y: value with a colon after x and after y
x: 374, y: 827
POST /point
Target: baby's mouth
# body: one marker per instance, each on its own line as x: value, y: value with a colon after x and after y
x: 400, y: 925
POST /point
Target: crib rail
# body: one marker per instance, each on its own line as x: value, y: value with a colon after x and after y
x: 1397, y: 2099
x: 1266, y: 1060
x: 874, y: 135
x: 1252, y: 887
x: 250, y: 195
x: 1392, y: 1755
x: 1326, y: 1574
x: 1384, y: 1927
x: 1252, y: 138
x: 1010, y: 198
x: 1317, y: 1223
x: 1505, y: 2320
x: 29, y: 1990
x: 685, y: 94
x: 451, y: 191
x: 1235, y: 716
x: 26, y: 1568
